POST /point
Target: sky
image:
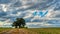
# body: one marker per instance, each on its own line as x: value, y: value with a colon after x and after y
x: 12, y: 9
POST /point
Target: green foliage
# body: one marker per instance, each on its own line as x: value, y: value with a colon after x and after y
x: 19, y: 22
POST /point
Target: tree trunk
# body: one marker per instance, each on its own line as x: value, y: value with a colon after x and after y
x: 15, y: 26
x: 19, y: 26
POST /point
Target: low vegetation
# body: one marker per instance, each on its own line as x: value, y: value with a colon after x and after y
x: 38, y: 30
x: 4, y: 29
x: 45, y: 30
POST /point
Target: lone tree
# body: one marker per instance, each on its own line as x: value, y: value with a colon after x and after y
x: 20, y: 22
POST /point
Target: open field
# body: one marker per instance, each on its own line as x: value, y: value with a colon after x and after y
x: 46, y: 30
x: 30, y: 31
x: 4, y: 29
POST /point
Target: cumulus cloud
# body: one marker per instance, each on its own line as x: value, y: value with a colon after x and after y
x: 11, y: 9
x: 40, y: 25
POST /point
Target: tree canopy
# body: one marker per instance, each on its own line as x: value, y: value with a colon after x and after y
x: 20, y: 22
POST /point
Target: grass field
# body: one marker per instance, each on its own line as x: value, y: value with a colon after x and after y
x: 4, y: 29
x: 46, y: 30
x: 38, y: 30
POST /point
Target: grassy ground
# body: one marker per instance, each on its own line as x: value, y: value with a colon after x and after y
x: 46, y: 30
x: 4, y: 29
x: 38, y: 30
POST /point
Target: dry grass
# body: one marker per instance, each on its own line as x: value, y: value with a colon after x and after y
x: 4, y: 29
x: 45, y: 30
x: 36, y: 30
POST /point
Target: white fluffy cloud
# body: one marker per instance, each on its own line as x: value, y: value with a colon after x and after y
x: 11, y: 9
